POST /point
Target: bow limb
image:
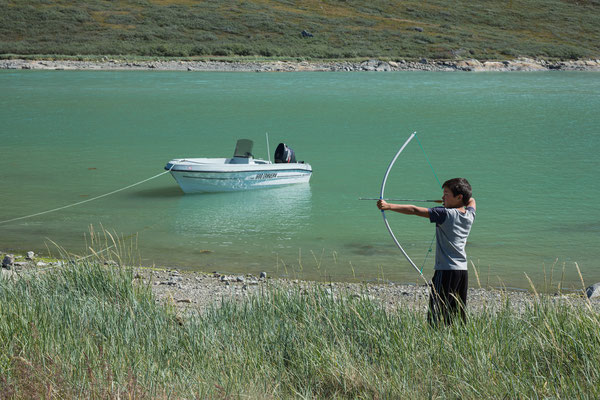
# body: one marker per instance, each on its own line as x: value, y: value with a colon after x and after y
x: 387, y: 225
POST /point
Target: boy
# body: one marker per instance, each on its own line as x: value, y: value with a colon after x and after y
x: 452, y: 223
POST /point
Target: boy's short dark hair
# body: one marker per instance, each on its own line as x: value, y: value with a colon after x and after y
x: 459, y: 186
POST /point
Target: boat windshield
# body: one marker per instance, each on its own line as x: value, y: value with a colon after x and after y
x: 243, y: 148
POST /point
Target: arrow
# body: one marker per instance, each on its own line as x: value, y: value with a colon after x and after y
x: 405, y: 200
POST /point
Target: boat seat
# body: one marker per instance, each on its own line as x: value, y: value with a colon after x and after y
x: 240, y: 160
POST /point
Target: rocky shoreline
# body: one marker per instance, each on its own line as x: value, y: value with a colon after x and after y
x: 521, y: 64
x: 191, y: 291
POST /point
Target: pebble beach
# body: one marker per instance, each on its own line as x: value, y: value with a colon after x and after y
x: 199, y: 291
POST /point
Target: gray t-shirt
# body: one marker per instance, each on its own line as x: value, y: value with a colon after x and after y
x: 451, y: 231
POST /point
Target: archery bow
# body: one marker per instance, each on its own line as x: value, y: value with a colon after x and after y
x: 383, y: 212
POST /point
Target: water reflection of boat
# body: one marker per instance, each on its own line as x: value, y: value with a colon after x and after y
x: 241, y: 232
x: 248, y: 216
x: 240, y: 172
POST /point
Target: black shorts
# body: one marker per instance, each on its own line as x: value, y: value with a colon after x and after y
x: 448, y: 296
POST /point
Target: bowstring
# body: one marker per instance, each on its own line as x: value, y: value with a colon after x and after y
x: 428, y: 252
x: 428, y: 162
x: 438, y: 181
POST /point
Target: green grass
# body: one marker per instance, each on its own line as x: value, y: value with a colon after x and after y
x: 90, y: 331
x: 411, y: 29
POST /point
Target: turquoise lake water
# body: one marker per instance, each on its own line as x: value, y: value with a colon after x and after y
x: 527, y: 142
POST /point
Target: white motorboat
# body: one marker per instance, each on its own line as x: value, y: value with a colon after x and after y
x: 240, y: 172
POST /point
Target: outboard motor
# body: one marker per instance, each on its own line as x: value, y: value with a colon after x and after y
x: 284, y: 154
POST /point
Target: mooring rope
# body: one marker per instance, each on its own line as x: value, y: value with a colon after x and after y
x: 88, y: 200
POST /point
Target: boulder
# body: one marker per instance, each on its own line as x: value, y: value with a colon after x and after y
x: 468, y: 64
x: 30, y: 255
x: 375, y: 65
x: 383, y: 66
x: 593, y: 291
x: 526, y: 64
x: 8, y: 261
x: 591, y: 63
x: 494, y: 66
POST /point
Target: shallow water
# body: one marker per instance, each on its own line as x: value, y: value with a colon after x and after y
x: 528, y: 143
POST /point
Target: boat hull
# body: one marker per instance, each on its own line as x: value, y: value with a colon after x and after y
x: 198, y: 178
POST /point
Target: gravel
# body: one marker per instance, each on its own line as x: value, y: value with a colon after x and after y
x: 200, y: 291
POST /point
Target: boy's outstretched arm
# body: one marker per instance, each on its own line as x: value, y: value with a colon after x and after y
x: 403, y: 208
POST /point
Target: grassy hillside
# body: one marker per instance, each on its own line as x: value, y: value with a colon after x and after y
x: 394, y: 29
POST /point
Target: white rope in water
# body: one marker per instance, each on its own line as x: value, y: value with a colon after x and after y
x: 86, y: 201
